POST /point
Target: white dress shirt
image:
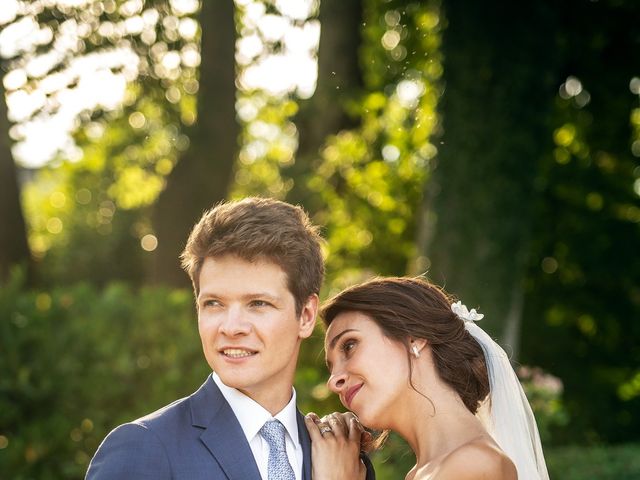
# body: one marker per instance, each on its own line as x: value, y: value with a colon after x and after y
x: 252, y: 416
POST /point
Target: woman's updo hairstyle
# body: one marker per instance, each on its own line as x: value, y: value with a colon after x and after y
x: 406, y: 308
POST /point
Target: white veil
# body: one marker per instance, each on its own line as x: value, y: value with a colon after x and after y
x: 507, y: 414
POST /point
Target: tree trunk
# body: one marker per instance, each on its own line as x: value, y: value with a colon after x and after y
x: 497, y: 79
x: 339, y: 79
x: 14, y: 249
x: 203, y: 175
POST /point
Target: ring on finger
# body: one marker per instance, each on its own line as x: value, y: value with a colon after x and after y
x: 324, y: 428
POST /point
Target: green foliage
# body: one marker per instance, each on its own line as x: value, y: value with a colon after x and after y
x: 393, y: 460
x: 78, y: 361
x: 544, y: 392
x: 370, y: 179
x: 88, y: 212
x: 621, y: 462
x: 584, y: 271
x: 87, y: 219
x: 267, y: 145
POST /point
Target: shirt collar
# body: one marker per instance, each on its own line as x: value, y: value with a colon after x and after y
x: 252, y: 416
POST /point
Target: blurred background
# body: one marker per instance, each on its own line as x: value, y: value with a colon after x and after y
x: 493, y: 146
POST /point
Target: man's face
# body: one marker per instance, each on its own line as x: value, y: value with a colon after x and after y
x: 249, y: 329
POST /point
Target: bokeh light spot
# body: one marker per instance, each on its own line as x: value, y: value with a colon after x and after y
x: 549, y: 265
x: 43, y: 301
x: 83, y: 196
x: 58, y: 199
x: 390, y: 39
x: 54, y: 225
x: 149, y: 242
x: 137, y: 120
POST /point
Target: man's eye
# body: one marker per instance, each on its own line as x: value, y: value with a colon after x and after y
x: 260, y: 303
x: 210, y: 303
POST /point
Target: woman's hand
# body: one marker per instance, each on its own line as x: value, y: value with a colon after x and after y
x: 335, y: 446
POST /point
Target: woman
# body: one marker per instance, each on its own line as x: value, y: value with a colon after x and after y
x: 402, y: 357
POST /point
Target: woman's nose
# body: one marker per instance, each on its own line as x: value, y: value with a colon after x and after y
x: 336, y: 382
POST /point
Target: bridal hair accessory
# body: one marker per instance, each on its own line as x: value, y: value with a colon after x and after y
x: 506, y: 413
x: 468, y: 316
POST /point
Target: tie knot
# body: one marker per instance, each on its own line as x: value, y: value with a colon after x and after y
x: 273, y: 432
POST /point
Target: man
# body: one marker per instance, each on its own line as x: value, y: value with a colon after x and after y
x: 256, y: 268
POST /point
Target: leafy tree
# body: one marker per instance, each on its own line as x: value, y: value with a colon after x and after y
x: 583, y: 271
x: 202, y: 175
x: 14, y: 249
x: 131, y: 144
x: 370, y: 178
x: 338, y: 85
x: 497, y: 100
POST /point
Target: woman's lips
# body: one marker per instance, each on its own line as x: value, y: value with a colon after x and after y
x: 348, y: 396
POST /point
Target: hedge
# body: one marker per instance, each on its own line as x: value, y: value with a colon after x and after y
x: 77, y: 361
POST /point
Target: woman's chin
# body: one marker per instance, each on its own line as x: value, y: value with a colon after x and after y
x: 367, y: 419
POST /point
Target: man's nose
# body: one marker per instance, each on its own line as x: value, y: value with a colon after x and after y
x: 235, y: 323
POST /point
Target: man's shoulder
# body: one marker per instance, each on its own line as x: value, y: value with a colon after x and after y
x: 179, y: 412
x: 147, y: 446
x: 154, y: 426
x: 176, y: 410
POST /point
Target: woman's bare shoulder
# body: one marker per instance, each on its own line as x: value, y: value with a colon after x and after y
x: 478, y: 459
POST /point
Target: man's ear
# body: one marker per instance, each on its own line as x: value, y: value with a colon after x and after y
x: 308, y: 316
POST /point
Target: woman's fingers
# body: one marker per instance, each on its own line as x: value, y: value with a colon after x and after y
x: 336, y: 452
x: 310, y: 422
x: 320, y: 428
x: 338, y: 425
x: 355, y: 429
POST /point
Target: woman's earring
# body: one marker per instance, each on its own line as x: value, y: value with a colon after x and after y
x: 415, y: 351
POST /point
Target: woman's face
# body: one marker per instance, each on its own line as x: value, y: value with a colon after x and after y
x: 369, y: 371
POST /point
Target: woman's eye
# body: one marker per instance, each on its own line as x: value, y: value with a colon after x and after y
x: 210, y: 303
x: 348, y: 345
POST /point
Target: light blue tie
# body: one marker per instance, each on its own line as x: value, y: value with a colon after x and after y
x: 279, y: 466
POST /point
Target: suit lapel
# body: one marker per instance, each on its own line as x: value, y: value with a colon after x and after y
x: 223, y: 435
x: 305, y: 442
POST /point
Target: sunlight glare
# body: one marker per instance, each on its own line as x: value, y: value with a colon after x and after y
x: 39, y: 65
x: 73, y: 3
x: 184, y: 7
x: 409, y: 91
x: 8, y: 11
x: 49, y: 91
x: 296, y: 9
x: 22, y: 104
x: 273, y: 27
x: 45, y: 142
x: 249, y: 47
x: 18, y: 37
x: 15, y: 79
x: 303, y: 40
x: 269, y: 74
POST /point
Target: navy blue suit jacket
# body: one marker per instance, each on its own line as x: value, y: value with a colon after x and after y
x: 194, y: 438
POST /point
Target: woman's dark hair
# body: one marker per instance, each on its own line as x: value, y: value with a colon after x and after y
x: 406, y: 308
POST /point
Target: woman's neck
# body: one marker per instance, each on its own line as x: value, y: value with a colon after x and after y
x: 436, y: 425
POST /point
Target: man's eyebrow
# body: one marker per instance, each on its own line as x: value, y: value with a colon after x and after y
x: 248, y: 296
x: 335, y: 339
